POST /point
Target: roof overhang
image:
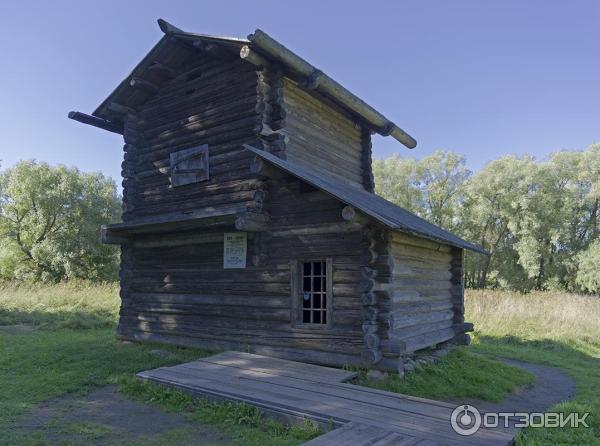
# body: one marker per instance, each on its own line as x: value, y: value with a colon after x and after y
x: 385, y: 212
x: 237, y: 217
x: 259, y: 49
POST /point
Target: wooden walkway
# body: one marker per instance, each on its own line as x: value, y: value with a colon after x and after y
x: 296, y: 391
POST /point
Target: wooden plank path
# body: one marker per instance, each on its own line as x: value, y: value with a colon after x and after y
x: 296, y: 391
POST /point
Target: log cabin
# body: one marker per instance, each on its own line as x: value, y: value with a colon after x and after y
x: 250, y: 220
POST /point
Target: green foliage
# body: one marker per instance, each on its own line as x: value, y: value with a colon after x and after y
x: 458, y: 375
x: 588, y: 268
x: 536, y: 219
x: 430, y: 187
x: 50, y: 220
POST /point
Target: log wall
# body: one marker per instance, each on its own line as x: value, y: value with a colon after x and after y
x: 324, y: 138
x: 423, y: 302
x: 212, y: 101
x: 391, y: 293
x: 175, y: 289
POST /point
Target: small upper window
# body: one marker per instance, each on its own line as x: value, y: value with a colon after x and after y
x: 189, y: 166
x: 314, y: 292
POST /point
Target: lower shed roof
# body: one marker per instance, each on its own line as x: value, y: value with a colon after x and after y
x: 383, y: 211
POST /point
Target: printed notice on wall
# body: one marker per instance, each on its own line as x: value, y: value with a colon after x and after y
x: 234, y: 250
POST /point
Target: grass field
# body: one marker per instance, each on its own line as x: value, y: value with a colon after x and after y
x: 72, y: 350
x: 557, y: 329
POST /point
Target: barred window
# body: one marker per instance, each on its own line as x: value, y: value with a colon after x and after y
x: 314, y: 292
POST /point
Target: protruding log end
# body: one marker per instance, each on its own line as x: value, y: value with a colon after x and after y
x: 96, y: 122
x: 348, y: 213
x: 372, y: 341
x: 403, y: 137
x: 167, y: 28
x: 252, y: 222
x: 371, y: 357
x: 462, y: 339
x: 250, y: 56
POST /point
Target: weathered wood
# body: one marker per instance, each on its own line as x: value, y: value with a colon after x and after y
x: 381, y: 288
x: 143, y: 84
x: 252, y: 221
x: 428, y: 340
x: 400, y: 321
x: 251, y: 56
x: 96, y: 122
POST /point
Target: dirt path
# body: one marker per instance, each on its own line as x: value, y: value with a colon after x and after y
x: 106, y: 417
x: 551, y: 386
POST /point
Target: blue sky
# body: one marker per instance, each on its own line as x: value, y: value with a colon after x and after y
x: 481, y: 78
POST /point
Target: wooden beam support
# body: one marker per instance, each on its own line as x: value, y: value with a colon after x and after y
x: 96, y: 122
x: 252, y: 222
x: 254, y: 58
x: 120, y: 108
x: 261, y: 167
x: 144, y: 85
x: 162, y: 69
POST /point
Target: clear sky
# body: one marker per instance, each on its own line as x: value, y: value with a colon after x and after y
x: 482, y: 78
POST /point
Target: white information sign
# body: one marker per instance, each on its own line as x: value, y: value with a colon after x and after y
x: 234, y: 250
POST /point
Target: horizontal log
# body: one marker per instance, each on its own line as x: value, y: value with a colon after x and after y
x: 400, y: 334
x: 211, y: 299
x: 258, y: 313
x: 405, y: 239
x: 428, y: 340
x: 331, y: 358
x: 400, y: 297
x: 463, y: 327
x: 143, y: 84
x: 96, y: 122
x: 421, y: 307
x: 401, y: 321
x: 253, y: 221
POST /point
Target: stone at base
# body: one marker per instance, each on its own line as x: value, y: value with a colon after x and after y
x: 462, y: 339
x: 375, y: 375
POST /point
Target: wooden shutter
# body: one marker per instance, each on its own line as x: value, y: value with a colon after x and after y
x: 189, y: 166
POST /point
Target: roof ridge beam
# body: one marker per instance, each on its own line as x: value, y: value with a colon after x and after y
x: 323, y: 83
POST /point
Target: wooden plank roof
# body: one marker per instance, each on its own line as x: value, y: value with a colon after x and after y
x: 176, y: 44
x: 383, y: 211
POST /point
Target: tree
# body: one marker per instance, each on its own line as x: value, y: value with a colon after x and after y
x: 396, y: 181
x: 50, y: 219
x: 430, y: 187
x: 492, y: 212
x: 538, y: 220
x: 588, y: 263
x: 442, y: 177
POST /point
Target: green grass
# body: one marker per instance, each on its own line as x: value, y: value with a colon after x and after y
x: 243, y: 423
x: 71, y: 352
x: 460, y: 374
x: 556, y: 329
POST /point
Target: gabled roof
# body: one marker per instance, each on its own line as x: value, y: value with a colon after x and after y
x: 259, y: 49
x: 383, y: 211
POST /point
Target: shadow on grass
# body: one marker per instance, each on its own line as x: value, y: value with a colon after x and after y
x: 547, y: 351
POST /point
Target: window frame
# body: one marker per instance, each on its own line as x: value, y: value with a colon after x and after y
x: 296, y: 277
x: 198, y: 153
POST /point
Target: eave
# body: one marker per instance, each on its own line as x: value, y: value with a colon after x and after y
x: 259, y: 49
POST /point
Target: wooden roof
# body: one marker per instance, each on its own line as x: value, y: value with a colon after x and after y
x: 176, y: 46
x: 383, y: 211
